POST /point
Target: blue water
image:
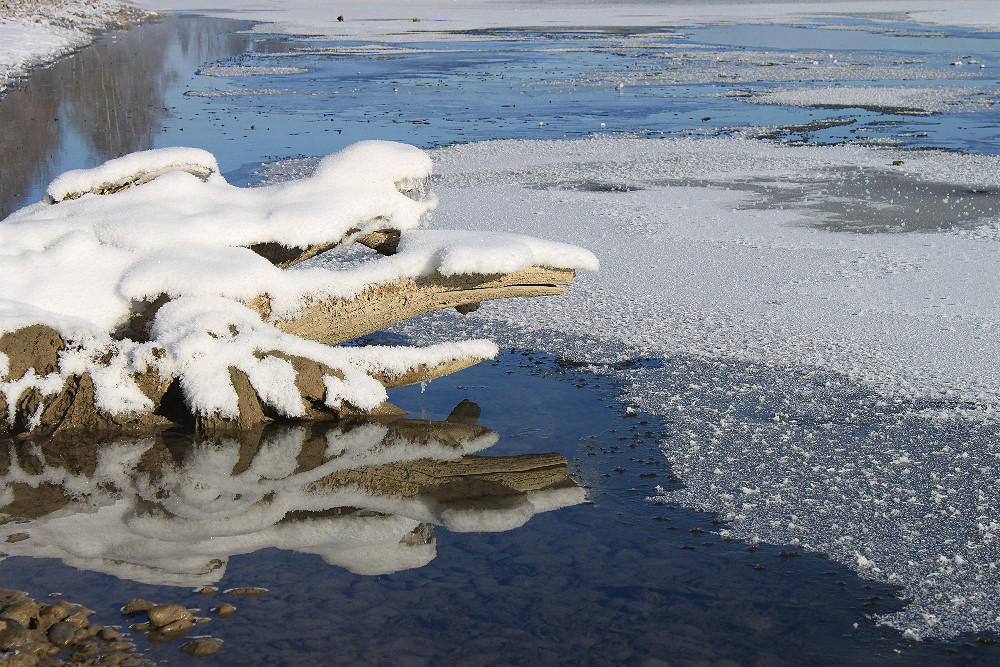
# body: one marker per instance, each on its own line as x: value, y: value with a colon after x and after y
x: 618, y: 580
x: 526, y: 84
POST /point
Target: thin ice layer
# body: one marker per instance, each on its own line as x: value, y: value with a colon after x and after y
x: 828, y: 379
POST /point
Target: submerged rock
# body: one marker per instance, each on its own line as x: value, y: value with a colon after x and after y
x: 162, y: 615
x: 202, y: 646
x: 32, y: 633
x: 224, y: 610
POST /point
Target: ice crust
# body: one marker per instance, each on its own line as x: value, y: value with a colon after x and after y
x: 392, y: 21
x: 902, y: 99
x: 831, y: 389
x: 84, y: 263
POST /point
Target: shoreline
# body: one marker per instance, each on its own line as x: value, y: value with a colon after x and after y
x: 38, y: 32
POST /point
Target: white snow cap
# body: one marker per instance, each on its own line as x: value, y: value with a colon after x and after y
x: 165, y: 222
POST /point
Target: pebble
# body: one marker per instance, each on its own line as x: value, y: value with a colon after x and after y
x: 224, y: 610
x: 202, y: 646
x: 207, y: 590
x: 61, y: 634
x: 245, y: 590
x: 21, y: 611
x: 136, y: 605
x: 12, y: 634
x: 163, y: 615
x: 176, y: 627
x: 40, y: 633
x: 109, y: 634
x: 17, y: 537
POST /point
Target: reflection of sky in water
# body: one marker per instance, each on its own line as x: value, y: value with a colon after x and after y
x: 104, y: 101
x: 500, y: 84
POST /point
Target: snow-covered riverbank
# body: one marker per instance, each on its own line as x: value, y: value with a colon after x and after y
x: 33, y: 33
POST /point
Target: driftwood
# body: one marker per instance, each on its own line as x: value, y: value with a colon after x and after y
x: 338, y: 320
x: 73, y: 407
x: 132, y: 180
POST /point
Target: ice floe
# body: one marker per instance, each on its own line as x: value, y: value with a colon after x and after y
x: 893, y: 99
x: 827, y: 372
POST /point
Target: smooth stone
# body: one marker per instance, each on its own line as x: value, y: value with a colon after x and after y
x: 202, y: 646
x: 136, y: 605
x: 61, y: 634
x: 12, y: 633
x: 165, y: 614
x: 245, y: 590
x: 224, y: 610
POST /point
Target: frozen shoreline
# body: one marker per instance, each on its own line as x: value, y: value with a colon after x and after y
x: 33, y: 34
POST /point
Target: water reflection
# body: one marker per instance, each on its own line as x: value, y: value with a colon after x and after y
x: 171, y: 509
x: 105, y: 101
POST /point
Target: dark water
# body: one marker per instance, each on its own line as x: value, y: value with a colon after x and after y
x: 618, y: 580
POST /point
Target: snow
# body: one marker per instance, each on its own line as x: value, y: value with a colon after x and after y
x: 393, y: 20
x: 243, y: 70
x: 84, y: 262
x: 825, y: 320
x: 718, y: 271
x: 828, y: 372
x: 33, y: 33
x: 903, y: 99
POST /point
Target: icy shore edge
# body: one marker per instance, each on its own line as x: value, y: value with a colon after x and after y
x: 36, y: 33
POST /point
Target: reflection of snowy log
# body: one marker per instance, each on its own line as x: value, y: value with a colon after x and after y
x: 363, y: 495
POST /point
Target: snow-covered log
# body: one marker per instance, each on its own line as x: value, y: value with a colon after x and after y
x: 148, y: 291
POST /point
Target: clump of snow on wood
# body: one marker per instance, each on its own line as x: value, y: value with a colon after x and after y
x: 181, y: 235
x: 83, y: 262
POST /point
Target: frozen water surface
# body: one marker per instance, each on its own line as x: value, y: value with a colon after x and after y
x: 810, y: 331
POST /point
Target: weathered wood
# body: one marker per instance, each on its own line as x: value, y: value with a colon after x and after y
x: 134, y: 179
x: 385, y: 241
x: 337, y: 320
